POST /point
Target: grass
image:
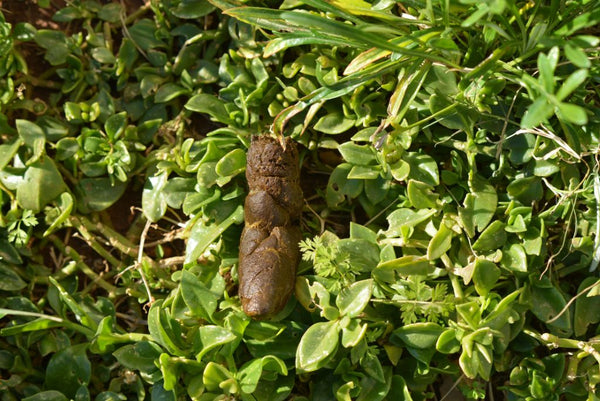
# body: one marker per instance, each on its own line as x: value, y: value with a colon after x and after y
x: 449, y: 166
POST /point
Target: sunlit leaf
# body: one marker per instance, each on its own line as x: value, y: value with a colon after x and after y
x: 318, y: 343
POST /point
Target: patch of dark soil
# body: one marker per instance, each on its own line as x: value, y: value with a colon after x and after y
x: 123, y: 212
x: 29, y: 11
x: 200, y: 125
x: 16, y: 11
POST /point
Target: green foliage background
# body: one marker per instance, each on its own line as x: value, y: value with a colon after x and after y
x: 452, y: 199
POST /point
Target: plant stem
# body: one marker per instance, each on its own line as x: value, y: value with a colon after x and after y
x: 92, y: 242
x: 114, y: 238
x: 113, y: 291
x: 456, y: 286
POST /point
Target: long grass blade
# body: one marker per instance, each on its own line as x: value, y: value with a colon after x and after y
x: 349, y: 35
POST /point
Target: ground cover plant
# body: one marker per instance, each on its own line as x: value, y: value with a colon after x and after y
x: 451, y: 211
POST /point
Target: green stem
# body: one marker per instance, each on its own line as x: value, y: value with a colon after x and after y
x: 432, y: 116
x: 114, y: 238
x: 113, y: 291
x: 456, y: 286
x: 231, y: 365
x: 134, y: 337
x: 139, y: 12
x: 100, y: 250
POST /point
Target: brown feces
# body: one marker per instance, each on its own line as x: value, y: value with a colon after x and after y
x: 269, y: 251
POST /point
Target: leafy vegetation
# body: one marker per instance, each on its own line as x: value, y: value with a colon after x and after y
x: 451, y: 212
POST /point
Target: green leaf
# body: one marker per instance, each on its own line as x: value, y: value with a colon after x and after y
x: 98, y: 194
x: 400, y: 389
x: 201, y: 301
x: 353, y: 299
x: 538, y: 112
x: 358, y: 231
x: 421, y: 195
x: 42, y: 323
x: 159, y: 393
x: 440, y: 105
x: 590, y: 17
x: 68, y: 14
x: 143, y: 35
x: 164, y: 330
x: 317, y: 344
x: 514, y: 258
x: 111, y: 12
x: 422, y: 168
x: 154, y: 202
x: 403, y: 218
x: 211, y: 105
x: 545, y: 168
x: 140, y: 356
x: 547, y: 302
x: 447, y: 343
x: 587, y: 309
x: 419, y: 335
x: 177, y: 189
x: 333, y: 124
x: 485, y: 276
x: 479, y: 205
x: 217, y: 377
x: 55, y: 43
x: 201, y: 235
x: 68, y: 369
x: 357, y: 154
x: 374, y: 390
x: 211, y: 337
x: 353, y: 333
x: 339, y: 185
x: 440, y: 243
x: 572, y: 113
x: 400, y: 170
x: 364, y: 172
x: 8, y: 253
x: 571, y: 83
x: 33, y: 137
x: 8, y: 151
x: 363, y: 254
x: 109, y: 396
x: 41, y: 184
x: 409, y: 265
x: 520, y: 148
x: 206, y: 175
x: 82, y: 313
x: 168, y: 92
x: 9, y: 280
x: 330, y: 31
x: 577, y: 56
x: 103, y: 55
x: 191, y: 9
x: 546, y: 66
x: 372, y: 366
x: 49, y: 395
x: 251, y: 372
x: 493, y: 237
x: 65, y: 205
x: 231, y: 164
x: 115, y: 126
x: 476, y: 363
x: 504, y: 312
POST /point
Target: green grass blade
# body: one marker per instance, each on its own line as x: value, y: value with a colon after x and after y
x: 348, y: 35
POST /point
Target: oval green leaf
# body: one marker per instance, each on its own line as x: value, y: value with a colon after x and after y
x: 419, y: 335
x: 353, y: 299
x: 318, y: 343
